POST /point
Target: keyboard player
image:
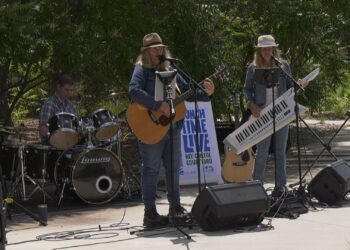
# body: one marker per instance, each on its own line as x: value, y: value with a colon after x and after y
x: 258, y: 95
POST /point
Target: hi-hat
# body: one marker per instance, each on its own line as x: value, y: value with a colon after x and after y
x: 6, y: 132
x: 19, y: 129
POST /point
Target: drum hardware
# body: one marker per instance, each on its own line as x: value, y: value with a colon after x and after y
x: 130, y: 178
x: 9, y: 159
x: 8, y: 196
x: 42, y: 176
x: 18, y: 129
x: 23, y: 176
x: 130, y: 181
x: 65, y: 181
x: 6, y: 132
x: 90, y: 131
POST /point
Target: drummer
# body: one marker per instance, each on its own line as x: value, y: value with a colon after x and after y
x: 64, y: 88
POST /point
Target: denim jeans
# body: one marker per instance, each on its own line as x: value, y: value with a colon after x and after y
x: 262, y: 154
x: 152, y: 155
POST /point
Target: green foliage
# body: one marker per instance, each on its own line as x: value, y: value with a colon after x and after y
x: 97, y: 43
x: 339, y: 101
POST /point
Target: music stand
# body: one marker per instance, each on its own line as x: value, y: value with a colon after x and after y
x: 163, y: 79
x: 269, y: 77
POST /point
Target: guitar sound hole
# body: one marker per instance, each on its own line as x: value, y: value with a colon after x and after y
x: 163, y: 120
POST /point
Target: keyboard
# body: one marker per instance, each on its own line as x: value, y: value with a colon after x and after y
x: 255, y: 129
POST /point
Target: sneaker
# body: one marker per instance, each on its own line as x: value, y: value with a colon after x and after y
x: 152, y: 219
x: 177, y: 211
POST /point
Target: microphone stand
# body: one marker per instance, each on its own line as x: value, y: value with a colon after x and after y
x: 273, y: 87
x: 270, y: 78
x: 169, y: 99
x: 194, y: 85
x: 297, y: 89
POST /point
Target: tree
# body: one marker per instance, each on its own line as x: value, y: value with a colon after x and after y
x: 97, y: 43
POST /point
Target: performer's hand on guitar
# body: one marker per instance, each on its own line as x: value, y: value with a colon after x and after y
x: 255, y: 109
x: 209, y: 86
x: 165, y: 109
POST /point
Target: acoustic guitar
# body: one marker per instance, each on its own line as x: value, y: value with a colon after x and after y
x: 151, y: 126
x: 237, y: 168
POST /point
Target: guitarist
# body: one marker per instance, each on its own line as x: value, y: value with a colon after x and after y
x: 141, y: 91
x: 258, y: 96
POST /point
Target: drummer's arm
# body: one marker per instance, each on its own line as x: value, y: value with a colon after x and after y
x: 43, y: 130
x: 45, y: 114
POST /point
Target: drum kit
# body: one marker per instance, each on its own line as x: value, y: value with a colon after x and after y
x: 83, y: 156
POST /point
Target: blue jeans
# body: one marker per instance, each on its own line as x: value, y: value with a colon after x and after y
x: 152, y: 155
x: 262, y: 154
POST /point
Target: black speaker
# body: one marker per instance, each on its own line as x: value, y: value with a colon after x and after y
x: 332, y: 183
x: 230, y: 205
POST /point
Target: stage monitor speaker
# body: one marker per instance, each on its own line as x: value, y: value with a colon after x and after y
x: 332, y: 183
x: 230, y: 205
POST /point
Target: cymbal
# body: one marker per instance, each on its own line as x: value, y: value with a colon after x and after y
x: 19, y: 129
x: 117, y: 94
x: 6, y: 132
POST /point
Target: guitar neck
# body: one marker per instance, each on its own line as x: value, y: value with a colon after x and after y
x: 183, y: 97
x: 190, y: 92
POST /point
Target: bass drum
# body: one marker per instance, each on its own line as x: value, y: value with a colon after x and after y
x: 97, y: 176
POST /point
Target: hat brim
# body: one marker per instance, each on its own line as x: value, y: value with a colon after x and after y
x: 153, y: 46
x: 266, y: 45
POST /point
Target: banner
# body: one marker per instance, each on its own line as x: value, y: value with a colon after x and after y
x: 210, y: 166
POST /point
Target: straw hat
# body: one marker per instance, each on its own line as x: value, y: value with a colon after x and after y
x: 266, y: 41
x: 152, y: 40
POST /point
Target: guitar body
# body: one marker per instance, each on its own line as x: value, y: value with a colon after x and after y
x: 151, y: 126
x: 238, y: 168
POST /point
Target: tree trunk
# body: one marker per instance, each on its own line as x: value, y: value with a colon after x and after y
x: 4, y: 110
x: 4, y: 105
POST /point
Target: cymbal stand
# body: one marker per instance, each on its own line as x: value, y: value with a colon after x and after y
x: 23, y: 176
x: 64, y: 184
x: 65, y: 179
x: 130, y: 177
x: 39, y: 185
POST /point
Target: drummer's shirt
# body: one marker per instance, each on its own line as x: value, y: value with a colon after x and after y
x: 54, y: 105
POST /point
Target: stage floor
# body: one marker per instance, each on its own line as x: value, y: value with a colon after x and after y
x: 79, y: 226
x: 108, y: 226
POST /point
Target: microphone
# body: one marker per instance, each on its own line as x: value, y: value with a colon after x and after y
x: 276, y: 59
x: 164, y: 58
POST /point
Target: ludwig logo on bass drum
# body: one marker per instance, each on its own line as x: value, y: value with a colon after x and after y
x: 86, y: 160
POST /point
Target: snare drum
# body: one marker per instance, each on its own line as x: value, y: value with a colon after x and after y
x: 105, y: 124
x: 63, y: 128
x: 96, y: 175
